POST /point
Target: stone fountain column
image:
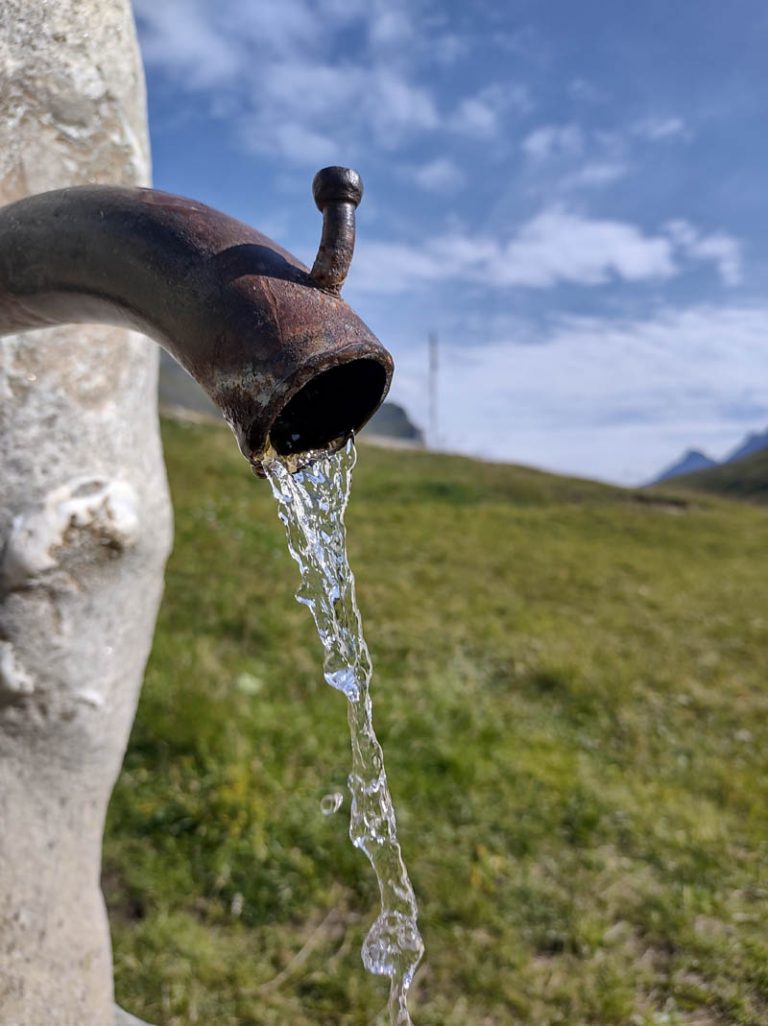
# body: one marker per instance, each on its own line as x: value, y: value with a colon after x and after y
x: 85, y: 525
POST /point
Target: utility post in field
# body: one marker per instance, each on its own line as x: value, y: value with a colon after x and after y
x: 433, y: 392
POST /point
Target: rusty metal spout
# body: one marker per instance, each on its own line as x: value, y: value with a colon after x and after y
x: 291, y: 367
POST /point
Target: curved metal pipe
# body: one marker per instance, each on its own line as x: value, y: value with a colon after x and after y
x: 337, y: 192
x: 288, y: 363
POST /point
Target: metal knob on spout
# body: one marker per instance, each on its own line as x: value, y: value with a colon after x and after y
x: 289, y: 364
x: 337, y: 192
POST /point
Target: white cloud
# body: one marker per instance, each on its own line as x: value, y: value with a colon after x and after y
x: 602, y: 397
x: 439, y: 175
x: 395, y: 104
x: 553, y: 141
x: 590, y: 158
x: 480, y: 116
x: 337, y: 103
x: 475, y: 117
x: 301, y: 144
x: 448, y: 47
x: 561, y: 246
x: 321, y: 89
x: 390, y: 27
x: 279, y: 70
x: 723, y: 250
x: 273, y: 67
x: 595, y: 175
x: 179, y: 36
x: 564, y: 158
x: 555, y: 247
x: 582, y: 90
x: 658, y: 128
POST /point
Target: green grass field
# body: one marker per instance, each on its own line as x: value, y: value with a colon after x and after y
x: 571, y: 693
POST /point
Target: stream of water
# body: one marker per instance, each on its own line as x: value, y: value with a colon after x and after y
x: 311, y: 505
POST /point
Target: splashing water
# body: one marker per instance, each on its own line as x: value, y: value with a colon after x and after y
x: 311, y: 505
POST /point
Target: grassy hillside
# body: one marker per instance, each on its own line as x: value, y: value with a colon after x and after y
x: 746, y: 478
x: 570, y: 689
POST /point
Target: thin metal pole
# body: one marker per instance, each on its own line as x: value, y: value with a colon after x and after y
x: 433, y: 369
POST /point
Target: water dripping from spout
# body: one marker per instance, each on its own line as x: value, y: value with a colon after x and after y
x: 311, y: 505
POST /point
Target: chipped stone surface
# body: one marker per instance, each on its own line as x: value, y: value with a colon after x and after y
x: 106, y: 512
x: 14, y: 679
x: 84, y: 524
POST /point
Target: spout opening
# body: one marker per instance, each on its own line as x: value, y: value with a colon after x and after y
x: 330, y: 407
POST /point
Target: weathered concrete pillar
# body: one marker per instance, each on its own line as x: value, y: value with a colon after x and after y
x: 84, y: 525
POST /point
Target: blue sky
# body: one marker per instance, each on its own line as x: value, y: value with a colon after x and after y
x: 571, y: 194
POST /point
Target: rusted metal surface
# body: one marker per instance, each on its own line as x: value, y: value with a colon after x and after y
x: 241, y: 314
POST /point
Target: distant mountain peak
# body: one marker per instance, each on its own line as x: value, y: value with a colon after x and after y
x: 688, y: 463
x: 695, y: 460
x: 754, y: 442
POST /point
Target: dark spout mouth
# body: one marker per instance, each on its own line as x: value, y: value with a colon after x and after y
x: 330, y: 407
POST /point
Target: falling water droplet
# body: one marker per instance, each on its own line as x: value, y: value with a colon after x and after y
x: 331, y: 803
